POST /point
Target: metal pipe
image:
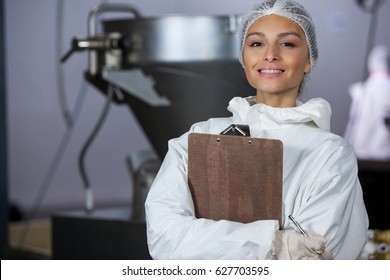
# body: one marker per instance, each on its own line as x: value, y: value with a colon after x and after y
x: 92, y: 26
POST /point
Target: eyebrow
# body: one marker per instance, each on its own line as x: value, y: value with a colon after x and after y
x: 280, y: 35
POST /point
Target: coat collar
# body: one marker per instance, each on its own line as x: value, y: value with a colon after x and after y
x: 316, y: 110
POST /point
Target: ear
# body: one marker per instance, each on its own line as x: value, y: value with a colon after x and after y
x: 307, y: 67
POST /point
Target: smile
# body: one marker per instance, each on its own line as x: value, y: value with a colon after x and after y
x: 271, y: 71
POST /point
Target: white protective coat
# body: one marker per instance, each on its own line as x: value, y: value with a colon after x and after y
x: 320, y: 189
x: 367, y: 131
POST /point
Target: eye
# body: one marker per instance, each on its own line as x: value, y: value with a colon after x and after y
x: 256, y: 44
x: 288, y: 44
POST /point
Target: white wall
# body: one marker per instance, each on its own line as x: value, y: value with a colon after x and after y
x: 35, y: 125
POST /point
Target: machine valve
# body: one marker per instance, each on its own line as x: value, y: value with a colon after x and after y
x: 98, y: 43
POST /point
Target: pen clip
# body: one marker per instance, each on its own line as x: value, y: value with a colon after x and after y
x: 296, y: 226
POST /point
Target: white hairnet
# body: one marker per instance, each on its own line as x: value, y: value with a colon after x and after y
x: 289, y: 9
x: 379, y: 59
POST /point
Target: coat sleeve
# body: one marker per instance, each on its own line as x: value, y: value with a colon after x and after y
x: 173, y: 231
x: 331, y: 204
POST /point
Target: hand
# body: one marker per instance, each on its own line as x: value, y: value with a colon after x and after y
x: 291, y: 245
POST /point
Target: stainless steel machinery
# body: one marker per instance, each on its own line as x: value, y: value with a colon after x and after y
x: 173, y: 70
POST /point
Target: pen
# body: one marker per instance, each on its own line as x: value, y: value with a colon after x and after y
x: 298, y: 227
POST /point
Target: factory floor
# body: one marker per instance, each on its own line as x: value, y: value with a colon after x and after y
x: 30, y: 241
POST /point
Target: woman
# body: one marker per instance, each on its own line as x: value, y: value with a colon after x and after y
x: 320, y: 184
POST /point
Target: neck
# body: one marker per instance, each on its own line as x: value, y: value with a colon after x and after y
x: 276, y: 101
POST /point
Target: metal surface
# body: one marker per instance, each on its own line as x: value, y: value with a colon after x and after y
x: 136, y: 82
x: 189, y: 66
x: 173, y: 39
x: 92, y: 26
x: 193, y: 61
x: 197, y: 92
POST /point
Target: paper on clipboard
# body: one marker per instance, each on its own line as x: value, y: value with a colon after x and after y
x: 235, y: 178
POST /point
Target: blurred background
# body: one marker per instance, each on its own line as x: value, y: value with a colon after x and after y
x: 50, y: 109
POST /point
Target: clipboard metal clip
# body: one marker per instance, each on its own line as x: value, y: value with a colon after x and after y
x: 236, y: 129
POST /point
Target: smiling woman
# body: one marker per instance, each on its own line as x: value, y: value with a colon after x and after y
x: 320, y: 184
x: 276, y: 58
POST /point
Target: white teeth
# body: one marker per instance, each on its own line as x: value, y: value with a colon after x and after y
x: 271, y: 71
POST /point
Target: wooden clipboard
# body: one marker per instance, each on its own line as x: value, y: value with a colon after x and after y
x: 235, y: 178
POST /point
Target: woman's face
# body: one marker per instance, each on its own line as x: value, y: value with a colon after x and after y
x: 276, y: 57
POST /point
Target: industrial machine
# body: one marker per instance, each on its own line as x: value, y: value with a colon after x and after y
x: 173, y: 70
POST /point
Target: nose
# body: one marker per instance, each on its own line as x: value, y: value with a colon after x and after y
x: 271, y: 54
